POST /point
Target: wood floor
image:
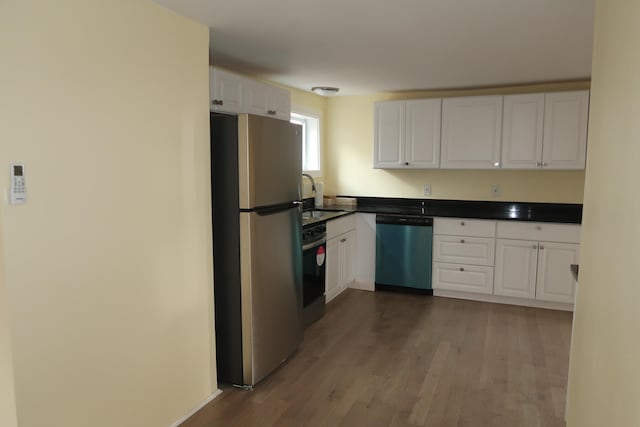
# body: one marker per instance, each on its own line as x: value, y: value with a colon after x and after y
x: 388, y: 359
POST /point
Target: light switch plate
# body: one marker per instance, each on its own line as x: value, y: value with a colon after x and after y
x: 427, y: 190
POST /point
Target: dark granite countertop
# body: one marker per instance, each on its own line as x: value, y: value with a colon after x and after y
x: 509, y: 211
x: 518, y: 211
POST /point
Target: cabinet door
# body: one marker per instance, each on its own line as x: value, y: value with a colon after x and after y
x: 522, y: 131
x: 422, y: 148
x: 348, y: 255
x: 278, y: 103
x: 257, y: 98
x: 389, y: 128
x: 471, y: 132
x: 555, y: 281
x: 565, y: 130
x: 516, y: 262
x: 332, y: 277
x: 228, y: 92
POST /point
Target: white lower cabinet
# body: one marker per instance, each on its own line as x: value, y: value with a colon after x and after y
x: 464, y: 278
x: 516, y: 262
x: 332, y: 278
x: 555, y: 281
x: 540, y: 270
x: 341, y: 256
x: 530, y: 265
x: 463, y: 255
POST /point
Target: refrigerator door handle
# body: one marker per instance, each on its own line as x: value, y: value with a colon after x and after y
x: 273, y: 209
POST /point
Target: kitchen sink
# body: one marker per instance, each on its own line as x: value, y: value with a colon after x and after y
x: 316, y: 215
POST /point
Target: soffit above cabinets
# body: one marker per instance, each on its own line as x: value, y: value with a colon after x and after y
x: 366, y: 47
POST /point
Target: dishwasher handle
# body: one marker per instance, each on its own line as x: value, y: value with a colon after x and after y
x: 419, y: 221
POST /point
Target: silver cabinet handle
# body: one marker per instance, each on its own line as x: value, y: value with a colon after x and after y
x: 271, y: 112
x: 541, y: 247
x: 461, y: 269
x: 461, y: 240
x: 343, y: 239
x: 462, y: 223
x: 406, y: 163
x: 538, y: 228
x: 496, y: 164
x: 217, y: 102
x: 534, y: 247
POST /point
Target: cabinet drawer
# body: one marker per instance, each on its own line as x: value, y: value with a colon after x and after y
x: 338, y: 226
x: 568, y: 233
x: 464, y: 227
x: 461, y: 277
x: 464, y: 250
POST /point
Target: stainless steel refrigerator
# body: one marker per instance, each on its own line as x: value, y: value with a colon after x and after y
x: 257, y: 254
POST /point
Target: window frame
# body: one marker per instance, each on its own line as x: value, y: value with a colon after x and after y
x: 315, y: 114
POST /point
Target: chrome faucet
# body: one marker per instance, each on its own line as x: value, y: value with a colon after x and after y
x: 313, y: 183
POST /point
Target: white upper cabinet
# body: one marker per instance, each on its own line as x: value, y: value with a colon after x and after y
x: 278, y: 103
x: 267, y: 100
x: 257, y: 97
x: 227, y: 91
x: 423, y: 133
x: 471, y: 132
x: 565, y: 130
x: 388, y: 147
x: 522, y: 130
x: 547, y: 131
x: 407, y: 134
x: 232, y: 93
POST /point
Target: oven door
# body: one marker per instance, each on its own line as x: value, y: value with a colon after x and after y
x: 313, y: 273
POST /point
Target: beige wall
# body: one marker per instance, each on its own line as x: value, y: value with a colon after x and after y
x: 349, y: 157
x: 604, y: 381
x: 7, y: 393
x: 108, y: 265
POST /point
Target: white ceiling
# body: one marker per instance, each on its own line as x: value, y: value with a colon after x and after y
x: 369, y: 46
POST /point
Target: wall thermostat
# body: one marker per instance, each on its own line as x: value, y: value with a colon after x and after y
x: 18, y: 189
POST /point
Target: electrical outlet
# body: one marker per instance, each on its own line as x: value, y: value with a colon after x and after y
x: 427, y: 190
x: 496, y: 191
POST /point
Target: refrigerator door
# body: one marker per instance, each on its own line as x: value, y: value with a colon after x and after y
x: 269, y: 161
x: 271, y: 287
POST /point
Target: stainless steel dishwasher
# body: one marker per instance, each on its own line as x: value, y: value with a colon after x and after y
x: 403, y: 253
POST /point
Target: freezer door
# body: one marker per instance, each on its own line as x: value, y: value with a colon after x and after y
x: 271, y: 286
x: 269, y: 161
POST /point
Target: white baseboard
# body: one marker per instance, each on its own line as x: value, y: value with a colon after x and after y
x: 502, y: 300
x: 363, y: 286
x: 197, y: 408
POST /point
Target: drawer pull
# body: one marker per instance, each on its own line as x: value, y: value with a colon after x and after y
x: 462, y: 223
x: 541, y: 247
x: 343, y: 239
x: 534, y: 247
x: 538, y: 228
x: 461, y: 269
x: 461, y: 240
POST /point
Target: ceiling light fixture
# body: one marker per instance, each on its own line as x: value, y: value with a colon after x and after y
x: 325, y: 90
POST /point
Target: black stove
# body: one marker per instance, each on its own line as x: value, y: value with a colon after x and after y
x: 313, y: 232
